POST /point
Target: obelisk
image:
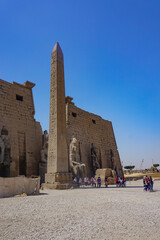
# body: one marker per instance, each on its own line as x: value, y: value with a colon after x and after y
x: 57, y: 175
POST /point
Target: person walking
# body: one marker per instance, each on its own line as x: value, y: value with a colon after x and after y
x: 151, y: 184
x: 117, y: 181
x: 86, y: 181
x: 80, y: 181
x: 99, y: 182
x: 94, y: 181
x: 106, y: 184
x: 124, y: 181
x: 146, y: 184
x: 77, y: 181
x: 120, y: 182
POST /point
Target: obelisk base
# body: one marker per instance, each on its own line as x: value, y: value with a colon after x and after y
x: 58, y: 181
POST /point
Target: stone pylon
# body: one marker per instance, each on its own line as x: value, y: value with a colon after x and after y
x: 57, y: 175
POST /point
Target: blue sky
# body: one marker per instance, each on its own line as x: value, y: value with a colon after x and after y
x: 111, y: 57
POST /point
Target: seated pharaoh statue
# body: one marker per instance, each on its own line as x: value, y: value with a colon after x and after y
x: 5, y: 153
x: 77, y: 167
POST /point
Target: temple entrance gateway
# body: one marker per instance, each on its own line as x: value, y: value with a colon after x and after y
x: 79, y: 142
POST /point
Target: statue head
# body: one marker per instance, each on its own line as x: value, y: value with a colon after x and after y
x: 74, y: 141
x: 45, y: 132
x: 93, y: 146
x: 4, y: 131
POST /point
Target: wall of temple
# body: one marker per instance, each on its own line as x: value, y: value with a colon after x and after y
x: 89, y: 128
x: 17, y: 114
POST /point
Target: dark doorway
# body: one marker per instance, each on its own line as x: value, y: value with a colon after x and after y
x: 22, y: 153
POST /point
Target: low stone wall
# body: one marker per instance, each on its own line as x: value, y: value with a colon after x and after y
x: 17, y: 185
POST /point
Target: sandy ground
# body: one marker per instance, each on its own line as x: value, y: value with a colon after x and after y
x: 140, y: 174
x: 106, y: 213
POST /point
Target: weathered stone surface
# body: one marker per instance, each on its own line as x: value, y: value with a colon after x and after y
x: 91, y: 130
x: 5, y: 153
x: 44, y: 157
x: 57, y: 167
x: 57, y: 149
x: 58, y: 180
x: 76, y: 166
x: 25, y: 134
x: 95, y: 141
x: 10, y: 187
x: 106, y: 172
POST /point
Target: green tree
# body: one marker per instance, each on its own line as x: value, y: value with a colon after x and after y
x: 156, y: 165
x: 130, y: 167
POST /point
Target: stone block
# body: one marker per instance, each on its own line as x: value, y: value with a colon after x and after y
x: 58, y: 181
x: 17, y: 185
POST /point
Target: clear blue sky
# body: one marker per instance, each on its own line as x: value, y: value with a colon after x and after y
x: 111, y: 55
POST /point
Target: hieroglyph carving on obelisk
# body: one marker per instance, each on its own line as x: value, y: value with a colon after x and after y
x: 57, y: 175
x: 57, y: 152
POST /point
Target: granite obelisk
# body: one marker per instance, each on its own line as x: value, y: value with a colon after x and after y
x: 57, y: 175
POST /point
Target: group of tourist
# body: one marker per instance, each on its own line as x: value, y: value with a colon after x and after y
x: 88, y: 181
x: 148, y: 183
x: 120, y: 182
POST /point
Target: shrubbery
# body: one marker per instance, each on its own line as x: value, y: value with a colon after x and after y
x: 130, y: 167
x: 156, y: 165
